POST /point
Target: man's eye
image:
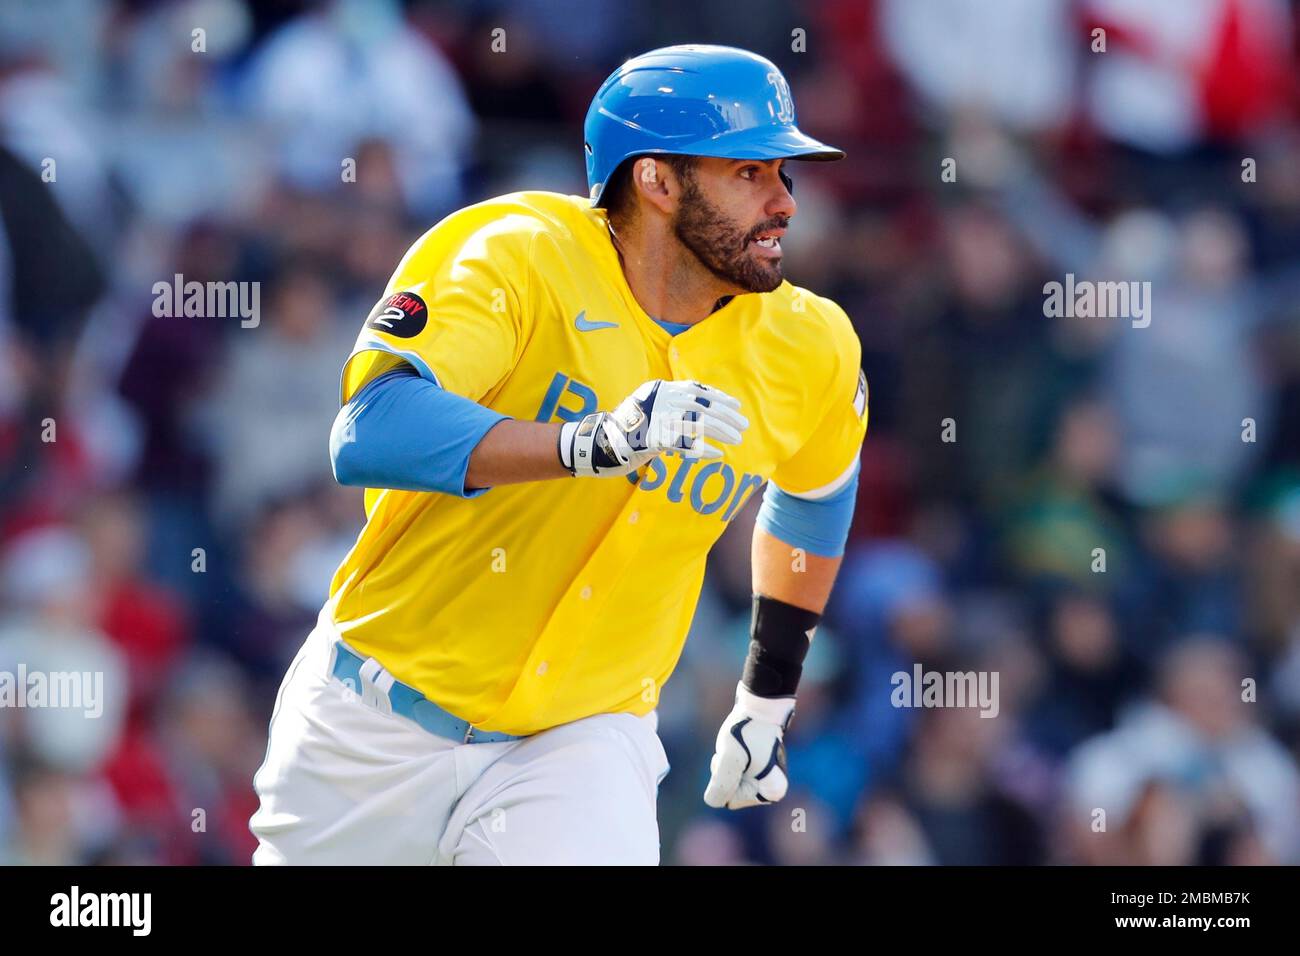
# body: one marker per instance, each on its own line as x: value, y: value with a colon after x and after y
x: 749, y: 172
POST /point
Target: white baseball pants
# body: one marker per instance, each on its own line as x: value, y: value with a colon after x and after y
x: 346, y: 782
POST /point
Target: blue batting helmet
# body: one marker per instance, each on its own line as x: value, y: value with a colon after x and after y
x: 695, y: 101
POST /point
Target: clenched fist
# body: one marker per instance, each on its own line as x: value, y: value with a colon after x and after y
x: 659, y: 416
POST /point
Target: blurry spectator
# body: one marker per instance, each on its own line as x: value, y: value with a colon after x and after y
x: 1271, y: 565
x: 947, y: 786
x: 1062, y: 513
x: 145, y: 621
x: 1091, y: 673
x: 51, y: 276
x: 153, y: 55
x: 891, y: 610
x: 519, y: 82
x: 182, y: 786
x: 348, y: 71
x: 1185, y: 581
x: 377, y: 238
x: 45, y: 577
x: 44, y: 833
x: 982, y: 356
x: 1201, y: 742
x: 1184, y: 384
x: 289, y: 557
x: 889, y: 836
x: 55, y: 136
x: 173, y: 363
x: 1180, y: 372
x: 1013, y: 59
x: 271, y: 409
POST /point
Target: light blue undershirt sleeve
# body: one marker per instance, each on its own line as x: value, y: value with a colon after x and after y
x: 402, y: 431
x: 820, y: 527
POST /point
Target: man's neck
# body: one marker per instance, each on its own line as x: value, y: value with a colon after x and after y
x: 666, y: 280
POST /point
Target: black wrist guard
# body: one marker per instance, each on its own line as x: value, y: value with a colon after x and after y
x: 779, y: 637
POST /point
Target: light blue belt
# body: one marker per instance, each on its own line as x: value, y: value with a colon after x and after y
x: 410, y: 703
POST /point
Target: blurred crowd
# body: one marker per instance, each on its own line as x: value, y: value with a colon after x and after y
x: 1104, y: 514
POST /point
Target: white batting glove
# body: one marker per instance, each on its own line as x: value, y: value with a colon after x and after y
x: 659, y: 416
x: 748, y: 764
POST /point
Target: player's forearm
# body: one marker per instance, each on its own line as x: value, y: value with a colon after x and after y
x: 791, y: 574
x: 799, y: 543
x: 515, y: 451
x: 790, y: 592
x: 797, y: 548
x: 791, y: 585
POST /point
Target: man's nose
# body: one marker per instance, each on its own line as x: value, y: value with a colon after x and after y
x: 782, y: 203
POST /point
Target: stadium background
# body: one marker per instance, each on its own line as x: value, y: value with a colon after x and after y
x: 1119, y: 689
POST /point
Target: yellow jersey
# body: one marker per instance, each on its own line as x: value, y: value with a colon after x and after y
x: 536, y: 604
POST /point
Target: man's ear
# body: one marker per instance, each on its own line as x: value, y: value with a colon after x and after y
x: 650, y: 184
x: 648, y: 172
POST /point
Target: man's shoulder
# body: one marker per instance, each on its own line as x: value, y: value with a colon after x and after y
x: 524, y: 214
x: 814, y: 321
x: 507, y: 225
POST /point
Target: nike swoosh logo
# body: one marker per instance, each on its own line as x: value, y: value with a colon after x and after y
x: 586, y: 325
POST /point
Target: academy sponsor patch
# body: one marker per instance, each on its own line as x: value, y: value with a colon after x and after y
x: 403, y: 314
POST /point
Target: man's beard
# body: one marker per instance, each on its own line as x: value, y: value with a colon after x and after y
x: 721, y: 246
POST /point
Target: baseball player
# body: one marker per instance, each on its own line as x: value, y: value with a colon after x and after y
x: 555, y: 409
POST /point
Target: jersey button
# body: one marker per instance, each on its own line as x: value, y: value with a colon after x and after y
x: 542, y: 668
x: 633, y: 517
x: 586, y: 593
